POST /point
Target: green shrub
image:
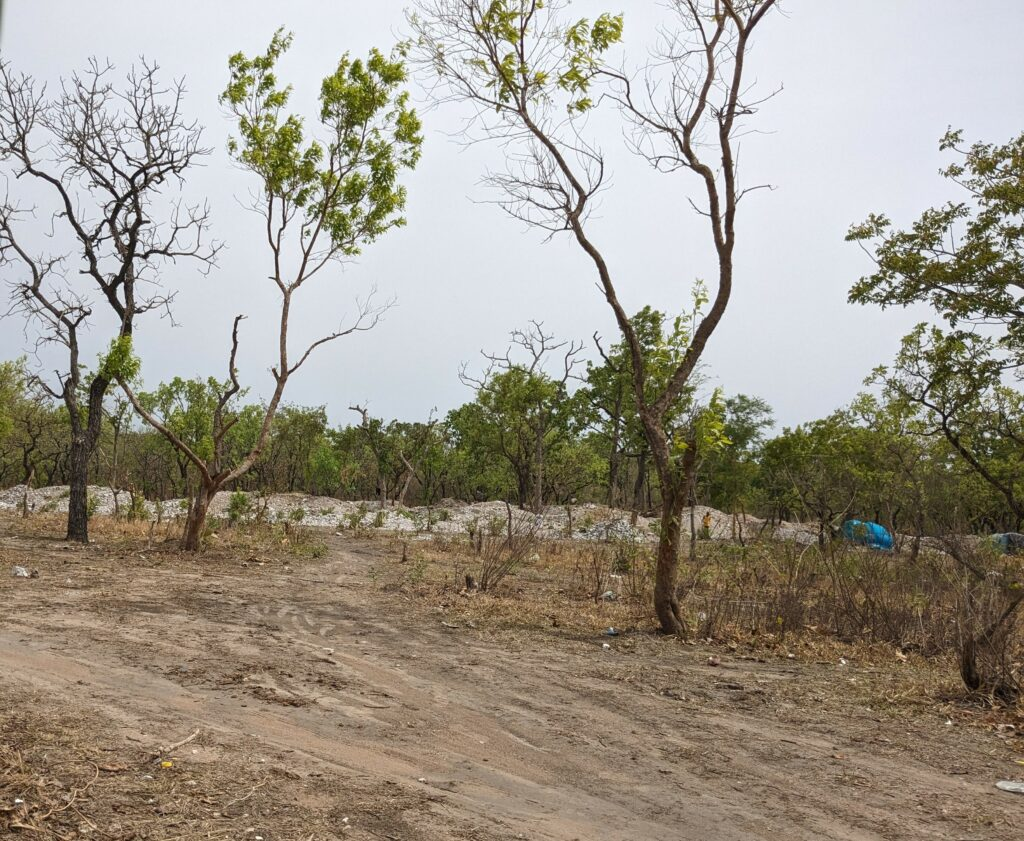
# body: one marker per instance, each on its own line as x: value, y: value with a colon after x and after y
x: 239, y: 507
x: 137, y: 510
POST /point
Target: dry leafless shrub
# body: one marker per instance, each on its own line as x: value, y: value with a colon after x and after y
x: 502, y: 554
x: 591, y: 568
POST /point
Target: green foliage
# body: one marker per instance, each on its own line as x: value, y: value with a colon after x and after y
x: 137, y: 509
x: 514, y: 74
x: 119, y: 362
x: 239, y: 507
x: 965, y: 259
x: 187, y: 408
x: 729, y: 474
x: 12, y: 391
x: 346, y: 186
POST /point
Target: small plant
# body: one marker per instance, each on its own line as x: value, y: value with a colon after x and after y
x: 262, y: 504
x: 92, y: 505
x: 314, y: 549
x: 137, y: 509
x: 354, y: 518
x: 297, y: 515
x: 326, y: 511
x: 379, y: 519
x: 239, y: 507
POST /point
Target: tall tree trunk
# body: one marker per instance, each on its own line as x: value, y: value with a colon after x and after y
x: 83, y: 444
x: 638, y: 486
x: 78, y: 500
x: 538, y: 505
x: 666, y: 600
x: 677, y: 486
x: 614, y: 466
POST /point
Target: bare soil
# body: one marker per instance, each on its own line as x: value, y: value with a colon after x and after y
x: 258, y: 695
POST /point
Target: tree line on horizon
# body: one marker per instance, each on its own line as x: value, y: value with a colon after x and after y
x: 537, y: 438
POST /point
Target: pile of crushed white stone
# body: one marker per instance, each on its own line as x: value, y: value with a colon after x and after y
x: 582, y: 522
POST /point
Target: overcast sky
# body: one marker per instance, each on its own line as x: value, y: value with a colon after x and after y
x: 869, y: 87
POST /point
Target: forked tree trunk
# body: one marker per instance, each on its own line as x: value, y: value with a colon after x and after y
x: 196, y: 522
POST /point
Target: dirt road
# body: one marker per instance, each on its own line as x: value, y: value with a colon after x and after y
x: 367, y: 715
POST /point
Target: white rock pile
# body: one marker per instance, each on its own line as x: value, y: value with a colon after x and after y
x: 581, y: 522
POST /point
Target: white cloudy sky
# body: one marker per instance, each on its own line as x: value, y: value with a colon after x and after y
x: 869, y: 86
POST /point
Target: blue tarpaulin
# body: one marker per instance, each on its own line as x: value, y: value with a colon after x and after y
x: 867, y: 534
x: 1009, y: 543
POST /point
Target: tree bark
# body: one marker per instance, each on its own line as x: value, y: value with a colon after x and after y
x: 666, y: 599
x: 196, y: 521
x: 78, y: 500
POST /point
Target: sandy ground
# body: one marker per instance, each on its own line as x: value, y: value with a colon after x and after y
x: 327, y: 708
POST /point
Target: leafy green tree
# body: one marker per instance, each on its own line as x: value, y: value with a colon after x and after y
x: 12, y: 380
x: 609, y: 394
x: 525, y: 411
x: 966, y: 260
x: 729, y: 475
x: 530, y: 77
x: 321, y: 202
x: 955, y: 380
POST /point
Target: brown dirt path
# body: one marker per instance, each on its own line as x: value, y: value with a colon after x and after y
x: 453, y: 733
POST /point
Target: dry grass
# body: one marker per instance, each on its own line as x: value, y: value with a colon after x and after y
x: 249, y: 541
x: 73, y: 776
x: 765, y: 600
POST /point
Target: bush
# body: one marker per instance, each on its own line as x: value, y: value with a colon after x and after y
x: 499, y: 557
x: 137, y: 509
x: 239, y: 507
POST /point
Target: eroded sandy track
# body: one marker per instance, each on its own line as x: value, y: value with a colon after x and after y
x: 533, y: 737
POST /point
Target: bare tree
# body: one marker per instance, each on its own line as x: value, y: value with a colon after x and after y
x: 105, y: 156
x: 516, y: 62
x: 319, y: 202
